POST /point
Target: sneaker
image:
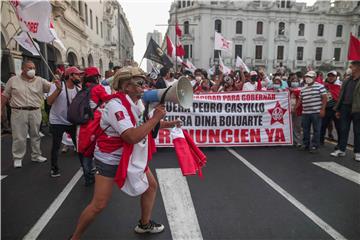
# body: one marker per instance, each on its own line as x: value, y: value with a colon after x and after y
x: 151, y: 227
x: 314, y: 149
x: 39, y: 159
x: 55, y: 173
x: 357, y: 157
x: 338, y: 153
x: 304, y: 148
x: 17, y: 163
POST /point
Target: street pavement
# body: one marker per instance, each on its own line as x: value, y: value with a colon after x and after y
x: 245, y: 193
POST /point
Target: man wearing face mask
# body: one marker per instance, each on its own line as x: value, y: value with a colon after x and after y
x: 313, y: 99
x: 60, y: 96
x: 348, y: 110
x: 25, y: 94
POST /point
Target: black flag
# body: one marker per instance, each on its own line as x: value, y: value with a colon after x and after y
x: 155, y: 53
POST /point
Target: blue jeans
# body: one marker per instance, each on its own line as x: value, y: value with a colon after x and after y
x: 88, y: 168
x: 326, y: 120
x: 307, y: 121
x: 345, y: 121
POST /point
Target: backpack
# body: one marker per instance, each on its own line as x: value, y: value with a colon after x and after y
x: 79, y: 110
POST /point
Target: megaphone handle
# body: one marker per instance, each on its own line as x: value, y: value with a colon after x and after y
x: 155, y: 131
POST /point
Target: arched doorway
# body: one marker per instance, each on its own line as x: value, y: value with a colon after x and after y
x: 90, y: 61
x: 72, y: 59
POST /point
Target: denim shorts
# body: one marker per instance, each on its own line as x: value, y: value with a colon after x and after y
x: 104, y: 169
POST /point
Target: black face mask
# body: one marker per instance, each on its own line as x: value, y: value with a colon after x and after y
x: 76, y: 81
x: 253, y: 78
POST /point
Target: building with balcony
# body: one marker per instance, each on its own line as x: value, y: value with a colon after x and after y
x: 94, y: 33
x: 267, y: 33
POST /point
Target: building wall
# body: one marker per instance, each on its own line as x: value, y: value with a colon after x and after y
x: 85, y: 45
x: 202, y: 15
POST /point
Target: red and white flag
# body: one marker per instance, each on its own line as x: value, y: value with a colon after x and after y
x: 224, y: 69
x: 170, y: 50
x: 240, y: 64
x: 24, y: 40
x: 34, y: 18
x: 57, y: 39
x: 189, y: 156
x: 221, y: 43
x: 189, y: 66
x: 178, y: 30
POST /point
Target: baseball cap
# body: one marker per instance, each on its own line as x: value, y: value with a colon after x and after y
x: 72, y: 70
x: 91, y: 71
x: 333, y: 72
x: 252, y: 73
x: 311, y: 74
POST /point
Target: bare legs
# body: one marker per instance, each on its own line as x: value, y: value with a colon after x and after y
x: 148, y: 198
x: 102, y: 194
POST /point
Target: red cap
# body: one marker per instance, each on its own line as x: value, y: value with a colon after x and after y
x: 72, y: 70
x: 91, y: 71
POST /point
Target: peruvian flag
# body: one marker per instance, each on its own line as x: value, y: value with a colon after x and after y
x: 178, y: 30
x: 170, y: 50
x: 34, y: 18
x: 221, y: 43
x: 169, y: 47
x: 180, y: 51
x: 354, y: 49
x: 24, y: 40
x: 191, y: 159
x: 56, y: 38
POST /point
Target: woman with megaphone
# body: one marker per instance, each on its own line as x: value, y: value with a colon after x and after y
x: 123, y: 150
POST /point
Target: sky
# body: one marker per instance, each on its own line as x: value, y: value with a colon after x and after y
x: 143, y: 16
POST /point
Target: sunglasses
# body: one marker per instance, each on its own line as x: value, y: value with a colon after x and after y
x: 138, y: 82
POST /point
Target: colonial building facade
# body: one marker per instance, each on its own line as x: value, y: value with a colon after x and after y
x: 268, y: 33
x: 95, y: 33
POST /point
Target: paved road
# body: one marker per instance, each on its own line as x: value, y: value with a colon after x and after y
x: 246, y: 193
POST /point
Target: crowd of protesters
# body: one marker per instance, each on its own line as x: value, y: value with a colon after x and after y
x: 320, y: 104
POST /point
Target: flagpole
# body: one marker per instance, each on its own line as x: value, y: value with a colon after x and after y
x: 41, y: 56
x: 141, y: 62
x: 175, y: 39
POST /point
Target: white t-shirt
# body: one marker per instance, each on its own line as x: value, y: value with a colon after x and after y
x: 58, y: 111
x: 170, y: 83
x: 248, y: 86
x: 116, y: 115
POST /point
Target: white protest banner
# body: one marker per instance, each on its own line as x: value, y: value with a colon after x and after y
x: 234, y: 119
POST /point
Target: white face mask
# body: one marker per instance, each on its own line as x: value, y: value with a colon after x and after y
x: 31, y: 73
x: 309, y: 80
x: 348, y: 71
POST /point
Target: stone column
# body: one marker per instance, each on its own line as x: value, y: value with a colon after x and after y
x: 271, y: 45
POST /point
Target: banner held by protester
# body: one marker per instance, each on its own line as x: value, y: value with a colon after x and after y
x: 234, y: 119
